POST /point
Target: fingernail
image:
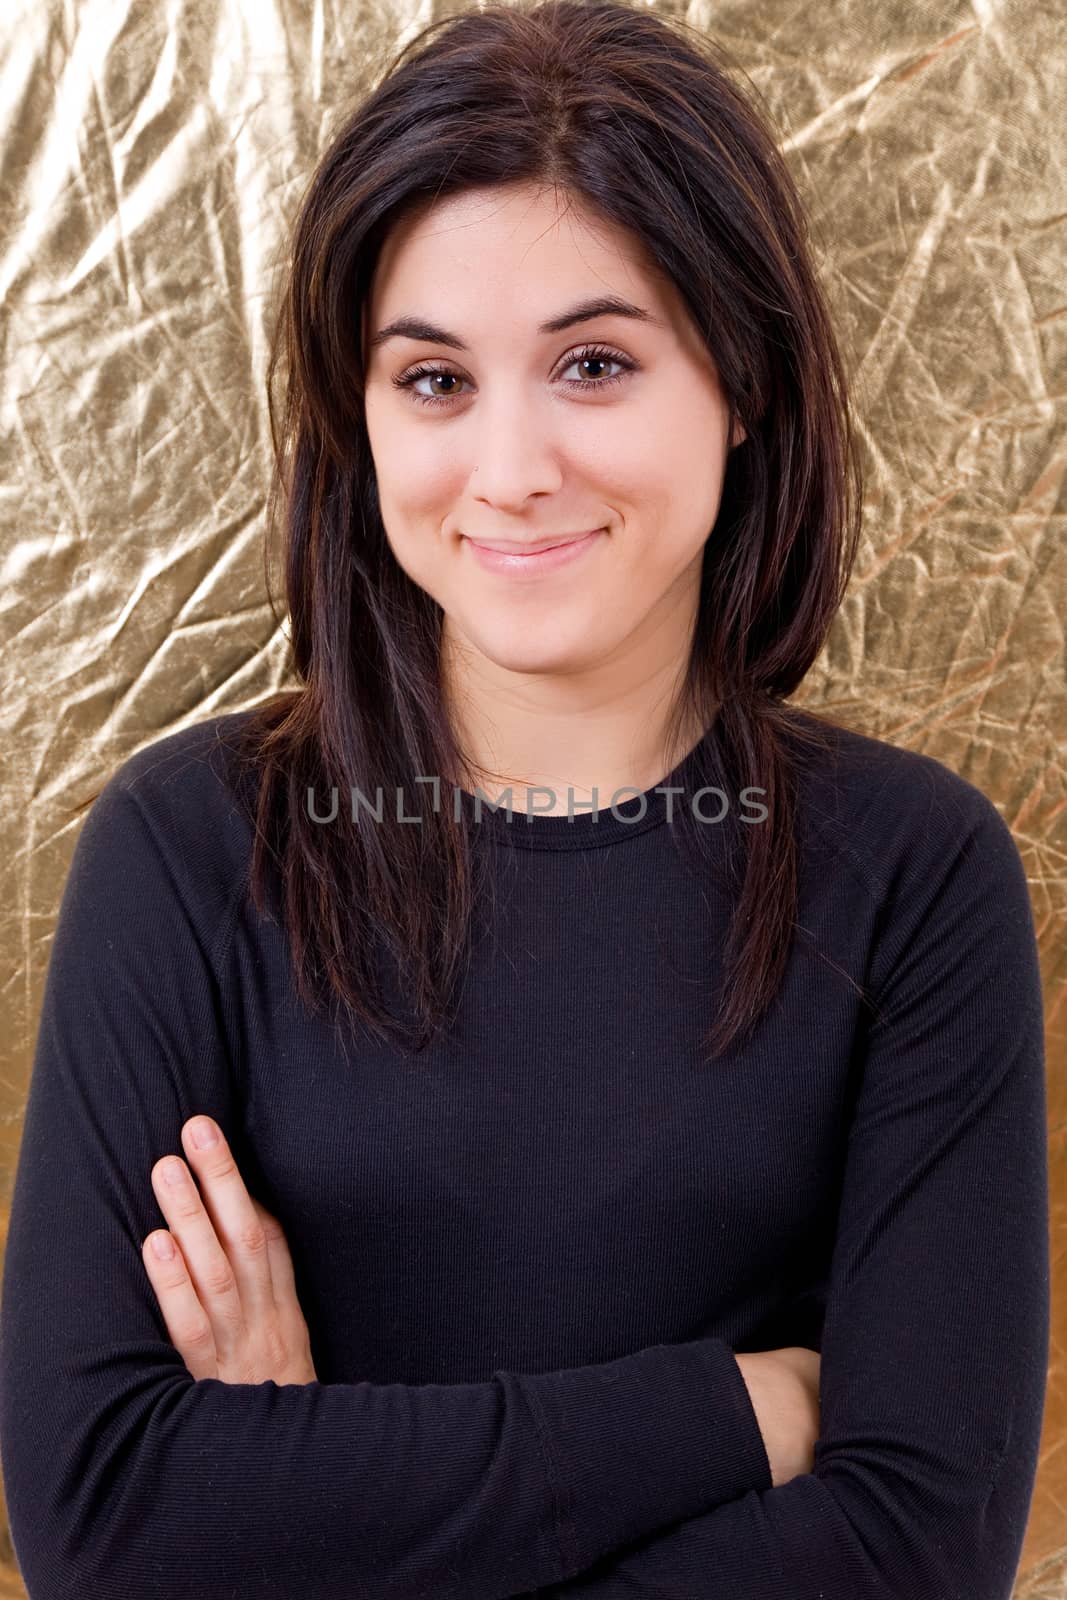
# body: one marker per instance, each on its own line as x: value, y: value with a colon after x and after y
x: 163, y: 1246
x: 204, y: 1133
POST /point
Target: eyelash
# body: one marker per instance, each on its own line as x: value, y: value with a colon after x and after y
x: 590, y: 353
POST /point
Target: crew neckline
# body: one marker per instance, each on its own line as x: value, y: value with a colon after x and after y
x: 630, y: 816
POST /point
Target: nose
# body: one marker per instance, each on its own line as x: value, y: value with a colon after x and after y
x: 514, y: 457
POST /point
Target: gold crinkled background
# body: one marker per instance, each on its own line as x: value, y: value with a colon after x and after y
x: 152, y: 157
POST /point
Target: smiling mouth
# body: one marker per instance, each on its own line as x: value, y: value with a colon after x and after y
x: 520, y: 548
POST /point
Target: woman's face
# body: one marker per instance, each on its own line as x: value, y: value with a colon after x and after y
x: 520, y: 442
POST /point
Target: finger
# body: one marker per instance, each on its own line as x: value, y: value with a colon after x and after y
x: 188, y: 1325
x: 207, y: 1264
x: 281, y: 1262
x: 237, y: 1227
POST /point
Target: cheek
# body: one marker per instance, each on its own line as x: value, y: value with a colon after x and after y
x: 410, y: 464
x: 414, y: 520
x: 415, y: 496
x: 416, y: 546
x: 678, y: 487
x: 418, y: 486
x: 645, y: 459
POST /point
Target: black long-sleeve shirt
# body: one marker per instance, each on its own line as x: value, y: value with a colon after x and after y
x: 527, y: 1255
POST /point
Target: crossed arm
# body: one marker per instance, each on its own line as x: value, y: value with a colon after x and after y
x: 223, y: 1276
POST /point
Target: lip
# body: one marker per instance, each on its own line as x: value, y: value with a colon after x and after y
x: 515, y: 563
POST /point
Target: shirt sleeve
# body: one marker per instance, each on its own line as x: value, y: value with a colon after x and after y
x: 935, y: 1344
x: 125, y: 1477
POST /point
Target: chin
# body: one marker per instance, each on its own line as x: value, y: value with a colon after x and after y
x: 531, y: 655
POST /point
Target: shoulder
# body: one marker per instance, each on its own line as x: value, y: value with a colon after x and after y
x: 186, y: 769
x: 944, y: 890
x: 889, y: 814
x: 170, y: 818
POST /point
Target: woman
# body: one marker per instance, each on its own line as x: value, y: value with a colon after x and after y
x: 574, y: 1167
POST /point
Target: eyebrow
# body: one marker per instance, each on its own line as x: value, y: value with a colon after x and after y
x: 608, y: 305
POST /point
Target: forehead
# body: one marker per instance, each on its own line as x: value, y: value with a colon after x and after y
x: 524, y: 250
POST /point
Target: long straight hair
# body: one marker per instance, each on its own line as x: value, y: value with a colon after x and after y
x: 640, y: 118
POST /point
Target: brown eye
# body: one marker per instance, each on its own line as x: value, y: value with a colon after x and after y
x: 596, y: 356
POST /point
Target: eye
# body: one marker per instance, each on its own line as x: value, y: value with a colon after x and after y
x: 597, y: 355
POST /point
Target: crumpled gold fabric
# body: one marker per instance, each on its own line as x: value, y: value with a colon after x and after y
x: 152, y: 156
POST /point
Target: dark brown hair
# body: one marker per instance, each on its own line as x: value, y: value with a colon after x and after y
x: 639, y: 118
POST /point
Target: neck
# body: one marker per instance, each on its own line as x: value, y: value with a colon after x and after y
x: 523, y: 732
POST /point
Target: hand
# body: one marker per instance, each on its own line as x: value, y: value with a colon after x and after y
x: 227, y: 1292
x: 783, y: 1386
